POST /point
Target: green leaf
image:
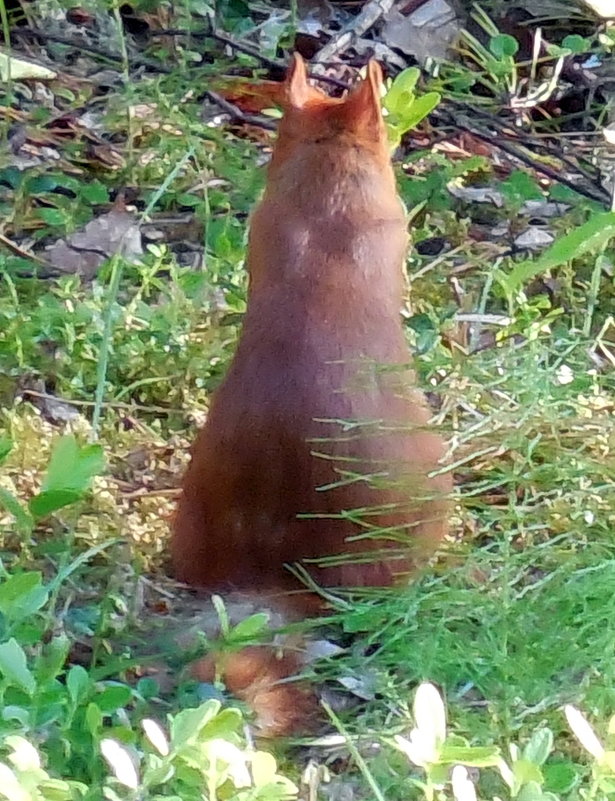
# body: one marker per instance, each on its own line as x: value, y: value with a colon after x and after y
x: 220, y: 608
x: 186, y: 199
x: 16, y: 265
x: 78, y: 683
x: 224, y: 725
x: 521, y: 186
x: 69, y: 474
x: 503, y: 45
x: 401, y: 92
x: 532, y: 791
x: 45, y: 503
x: 73, y: 466
x: 22, y: 594
x: 439, y: 774
x: 469, y: 165
x: 539, y: 747
x: 249, y: 627
x: 60, y: 790
x: 563, y: 194
x: 575, y: 43
x: 18, y: 713
x: 93, y: 719
x: 148, y: 688
x: 69, y: 182
x: 526, y: 772
x: 187, y: 724
x: 9, y: 502
x: 94, y: 192
x: 394, y: 133
x: 421, y: 107
x: 555, y: 51
x: 426, y: 332
x: 471, y: 756
x: 590, y: 236
x: 113, y: 698
x: 52, y: 216
x: 80, y: 560
x: 65, y: 93
x: 14, y: 666
x: 560, y: 777
x: 6, y: 446
x: 52, y: 660
x: 12, y: 176
x: 39, y: 184
x: 15, y: 587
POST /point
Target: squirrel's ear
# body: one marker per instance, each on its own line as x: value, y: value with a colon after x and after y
x: 363, y: 103
x: 298, y: 89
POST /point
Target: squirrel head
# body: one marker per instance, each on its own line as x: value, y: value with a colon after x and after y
x: 312, y: 117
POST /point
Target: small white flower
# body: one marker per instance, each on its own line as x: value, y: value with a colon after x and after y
x: 423, y: 746
x: 120, y: 763
x: 506, y: 773
x: 156, y: 736
x: 429, y: 713
x: 11, y: 786
x: 418, y: 751
x: 234, y: 759
x: 583, y: 732
x: 564, y: 374
x: 463, y: 788
x: 25, y: 757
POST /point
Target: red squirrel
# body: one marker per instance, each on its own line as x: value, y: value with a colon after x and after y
x: 317, y: 438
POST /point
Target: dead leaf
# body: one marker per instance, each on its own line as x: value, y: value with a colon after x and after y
x: 544, y: 208
x: 534, y: 238
x: 315, y: 16
x: 363, y: 687
x: 428, y: 32
x: 19, y: 69
x: 84, y: 251
x: 477, y: 194
x: 321, y: 649
x: 250, y: 96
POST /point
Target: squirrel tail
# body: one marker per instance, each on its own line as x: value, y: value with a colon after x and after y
x: 266, y: 679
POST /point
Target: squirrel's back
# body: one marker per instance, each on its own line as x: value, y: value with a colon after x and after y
x: 317, y: 433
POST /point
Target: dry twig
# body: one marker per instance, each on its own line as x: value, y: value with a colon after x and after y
x: 243, y: 47
x: 597, y: 194
x: 237, y: 115
x: 19, y: 251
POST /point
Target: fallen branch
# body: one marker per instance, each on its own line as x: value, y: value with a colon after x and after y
x: 590, y: 192
x: 247, y: 49
x: 19, y: 251
x: 590, y: 173
x: 238, y: 115
x: 138, y: 61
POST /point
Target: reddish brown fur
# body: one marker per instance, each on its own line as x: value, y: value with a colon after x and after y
x: 325, y: 259
x: 262, y: 678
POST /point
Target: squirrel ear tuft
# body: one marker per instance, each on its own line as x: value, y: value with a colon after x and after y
x: 363, y: 103
x: 298, y: 90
